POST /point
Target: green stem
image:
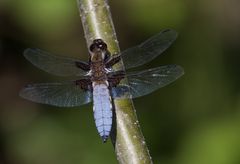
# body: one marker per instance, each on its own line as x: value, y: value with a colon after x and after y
x: 127, y: 138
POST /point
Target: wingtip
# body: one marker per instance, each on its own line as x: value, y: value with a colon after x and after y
x: 170, y: 31
x: 182, y: 69
x: 26, y: 50
x: 179, y: 69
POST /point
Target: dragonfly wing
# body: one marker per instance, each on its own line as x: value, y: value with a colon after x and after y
x: 149, y: 49
x: 66, y: 94
x: 60, y: 66
x: 147, y: 81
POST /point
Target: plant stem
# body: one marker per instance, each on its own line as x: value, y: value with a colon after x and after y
x: 127, y: 138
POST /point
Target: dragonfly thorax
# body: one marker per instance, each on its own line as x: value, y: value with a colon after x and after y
x: 98, y: 71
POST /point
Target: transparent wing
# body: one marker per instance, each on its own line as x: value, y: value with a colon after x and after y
x: 60, y: 66
x: 66, y: 94
x: 149, y: 49
x: 145, y: 82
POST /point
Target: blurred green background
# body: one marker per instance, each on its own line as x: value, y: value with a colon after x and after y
x: 195, y: 120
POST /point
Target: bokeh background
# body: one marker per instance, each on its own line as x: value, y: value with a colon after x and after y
x: 195, y: 120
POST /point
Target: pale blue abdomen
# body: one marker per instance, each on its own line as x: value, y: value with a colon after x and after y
x: 102, y: 108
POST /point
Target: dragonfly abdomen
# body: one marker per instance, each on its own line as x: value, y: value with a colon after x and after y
x: 102, y: 108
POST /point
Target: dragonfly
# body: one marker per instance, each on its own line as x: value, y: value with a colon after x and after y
x: 97, y: 81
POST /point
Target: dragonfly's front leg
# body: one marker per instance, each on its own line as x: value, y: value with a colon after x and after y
x: 112, y: 61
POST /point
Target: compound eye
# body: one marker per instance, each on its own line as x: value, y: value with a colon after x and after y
x: 92, y: 47
x: 98, y: 44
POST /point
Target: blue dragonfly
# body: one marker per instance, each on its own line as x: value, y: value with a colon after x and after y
x: 97, y: 82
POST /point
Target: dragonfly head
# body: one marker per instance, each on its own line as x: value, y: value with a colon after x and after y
x: 98, y: 49
x: 98, y: 45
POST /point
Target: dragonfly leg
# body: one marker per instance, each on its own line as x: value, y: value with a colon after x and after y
x: 83, y: 66
x: 107, y: 56
x: 113, y: 61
